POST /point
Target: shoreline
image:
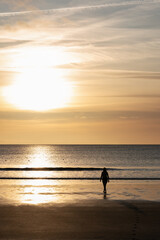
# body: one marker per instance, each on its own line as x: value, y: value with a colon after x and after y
x: 65, y: 192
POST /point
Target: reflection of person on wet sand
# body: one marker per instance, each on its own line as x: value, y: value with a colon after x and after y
x: 104, y: 178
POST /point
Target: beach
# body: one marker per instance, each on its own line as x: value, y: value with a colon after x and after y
x: 73, y: 205
x: 96, y: 219
x: 79, y: 210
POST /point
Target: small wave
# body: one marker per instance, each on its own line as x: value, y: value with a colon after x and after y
x: 51, y: 169
x: 77, y: 169
x: 56, y: 178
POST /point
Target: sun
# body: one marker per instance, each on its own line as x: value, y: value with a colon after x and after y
x: 41, y: 84
x: 39, y: 90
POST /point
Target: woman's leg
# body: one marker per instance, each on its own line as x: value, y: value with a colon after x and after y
x: 104, y: 185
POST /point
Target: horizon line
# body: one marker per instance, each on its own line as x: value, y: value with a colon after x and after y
x: 58, y: 144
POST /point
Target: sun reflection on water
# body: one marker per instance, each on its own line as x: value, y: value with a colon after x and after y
x: 39, y: 157
x: 38, y: 191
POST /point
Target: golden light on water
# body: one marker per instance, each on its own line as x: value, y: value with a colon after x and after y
x: 39, y: 191
x: 39, y: 157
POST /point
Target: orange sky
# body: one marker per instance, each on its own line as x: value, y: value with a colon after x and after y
x: 75, y: 73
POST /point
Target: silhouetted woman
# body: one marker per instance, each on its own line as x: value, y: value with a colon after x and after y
x: 104, y: 178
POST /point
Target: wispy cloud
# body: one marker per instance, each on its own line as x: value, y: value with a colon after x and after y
x: 80, y: 8
x: 4, y: 43
x: 79, y: 116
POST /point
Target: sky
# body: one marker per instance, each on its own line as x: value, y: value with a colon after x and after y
x: 79, y: 72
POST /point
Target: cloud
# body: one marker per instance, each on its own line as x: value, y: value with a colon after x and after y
x: 81, y: 8
x: 17, y: 5
x: 5, y: 43
x: 80, y: 116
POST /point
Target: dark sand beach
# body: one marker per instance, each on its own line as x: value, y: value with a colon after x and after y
x: 96, y: 219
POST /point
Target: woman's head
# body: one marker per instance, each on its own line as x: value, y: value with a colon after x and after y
x: 104, y: 169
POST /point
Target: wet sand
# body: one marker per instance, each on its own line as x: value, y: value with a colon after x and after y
x: 86, y: 220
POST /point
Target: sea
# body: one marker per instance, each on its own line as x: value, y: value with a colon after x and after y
x: 66, y: 171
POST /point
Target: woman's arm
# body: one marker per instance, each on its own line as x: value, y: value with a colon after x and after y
x: 101, y: 177
x: 108, y: 176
